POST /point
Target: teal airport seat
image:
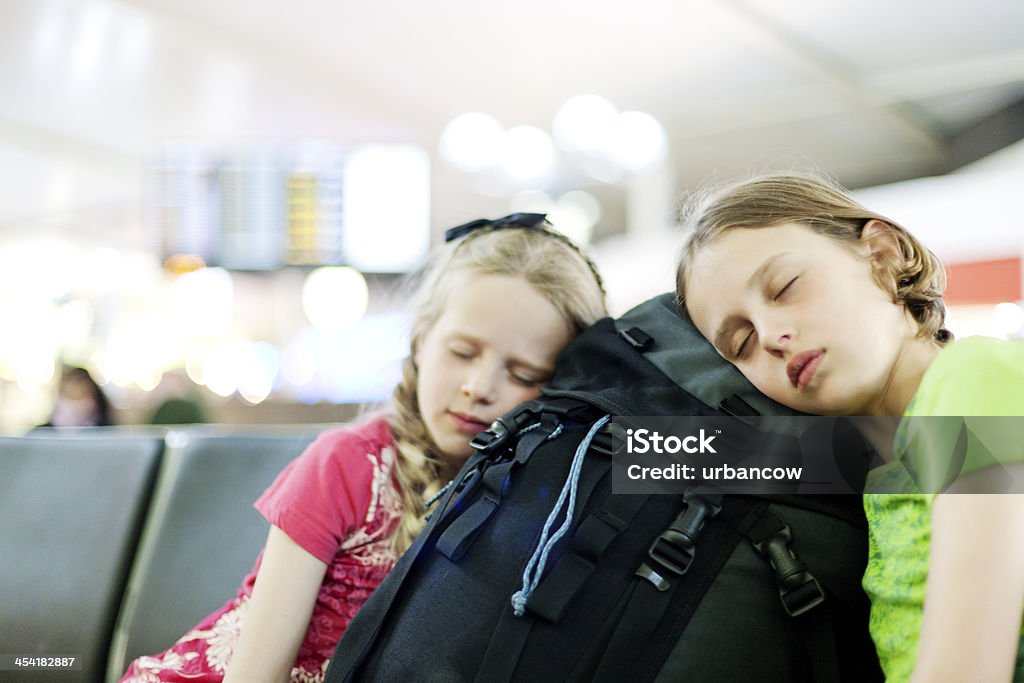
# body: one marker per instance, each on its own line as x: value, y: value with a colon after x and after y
x: 71, y: 512
x: 202, y: 537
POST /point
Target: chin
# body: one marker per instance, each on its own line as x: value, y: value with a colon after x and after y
x: 832, y: 409
x: 456, y: 450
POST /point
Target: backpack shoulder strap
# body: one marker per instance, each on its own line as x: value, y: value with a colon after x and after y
x: 800, y: 592
x: 362, y: 632
x: 489, y: 470
x: 460, y: 534
x: 556, y: 591
x: 668, y: 560
x: 523, y: 430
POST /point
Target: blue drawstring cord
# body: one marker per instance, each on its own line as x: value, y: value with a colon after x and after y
x: 437, y: 496
x: 535, y: 567
x: 536, y: 425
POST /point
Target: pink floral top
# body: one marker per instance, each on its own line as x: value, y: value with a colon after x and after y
x: 339, y: 502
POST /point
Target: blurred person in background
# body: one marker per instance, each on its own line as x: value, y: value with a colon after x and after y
x: 178, y: 410
x: 176, y: 402
x: 80, y: 401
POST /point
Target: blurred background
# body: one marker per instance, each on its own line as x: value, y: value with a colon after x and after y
x: 211, y: 205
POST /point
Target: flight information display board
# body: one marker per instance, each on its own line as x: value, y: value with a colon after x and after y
x: 268, y: 206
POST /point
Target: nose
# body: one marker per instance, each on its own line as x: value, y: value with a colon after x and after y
x: 776, y: 339
x: 480, y: 385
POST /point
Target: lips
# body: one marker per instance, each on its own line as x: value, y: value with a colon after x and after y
x: 802, y: 366
x: 470, y: 424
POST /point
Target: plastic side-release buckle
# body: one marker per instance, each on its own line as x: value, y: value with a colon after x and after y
x: 504, y: 427
x: 674, y: 551
x: 675, y: 548
x: 798, y: 588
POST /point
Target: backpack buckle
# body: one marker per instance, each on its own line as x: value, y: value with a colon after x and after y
x: 504, y: 427
x: 675, y: 548
x: 804, y: 594
x: 798, y: 589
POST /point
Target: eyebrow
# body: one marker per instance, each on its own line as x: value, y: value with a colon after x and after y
x: 725, y: 328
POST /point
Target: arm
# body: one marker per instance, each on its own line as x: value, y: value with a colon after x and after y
x: 282, y: 602
x: 975, y: 593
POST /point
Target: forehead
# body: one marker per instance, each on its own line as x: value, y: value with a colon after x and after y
x: 720, y: 272
x: 483, y: 296
x: 506, y: 312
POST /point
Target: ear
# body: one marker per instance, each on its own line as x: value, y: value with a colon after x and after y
x: 879, y: 240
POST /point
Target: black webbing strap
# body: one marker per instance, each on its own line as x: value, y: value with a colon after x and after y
x: 820, y: 642
x: 509, y: 638
x: 461, y: 533
x: 800, y: 592
x: 669, y: 557
x: 361, y: 634
x: 556, y: 591
x: 586, y: 667
x: 640, y: 618
x: 506, y: 646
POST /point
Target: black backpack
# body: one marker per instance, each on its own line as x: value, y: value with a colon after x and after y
x: 639, y: 587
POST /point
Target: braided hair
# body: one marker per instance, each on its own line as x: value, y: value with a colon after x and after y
x: 517, y: 246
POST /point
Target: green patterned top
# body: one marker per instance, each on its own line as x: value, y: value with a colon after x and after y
x: 977, y: 376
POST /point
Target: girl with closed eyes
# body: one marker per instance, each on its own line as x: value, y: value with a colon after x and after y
x: 489, y: 320
x: 833, y: 309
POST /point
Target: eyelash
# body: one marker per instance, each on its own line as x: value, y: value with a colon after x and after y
x: 523, y: 381
x: 740, y: 351
x: 786, y: 288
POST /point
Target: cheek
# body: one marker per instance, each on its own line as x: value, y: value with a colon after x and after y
x: 766, y: 381
x: 516, y: 395
x: 432, y: 380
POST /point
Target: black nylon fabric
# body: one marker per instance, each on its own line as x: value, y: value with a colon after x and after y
x: 435, y: 618
x: 602, y: 368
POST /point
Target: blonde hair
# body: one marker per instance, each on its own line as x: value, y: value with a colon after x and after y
x: 546, y: 260
x: 914, y: 279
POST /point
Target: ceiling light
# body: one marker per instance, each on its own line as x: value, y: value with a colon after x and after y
x: 583, y: 123
x: 470, y: 141
x: 334, y: 298
x: 526, y: 152
x: 637, y: 141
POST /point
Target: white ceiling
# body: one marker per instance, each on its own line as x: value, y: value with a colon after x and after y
x: 873, y: 90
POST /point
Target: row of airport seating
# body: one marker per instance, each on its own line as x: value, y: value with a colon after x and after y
x: 113, y: 543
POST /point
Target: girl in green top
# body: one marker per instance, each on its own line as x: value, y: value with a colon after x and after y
x: 837, y: 310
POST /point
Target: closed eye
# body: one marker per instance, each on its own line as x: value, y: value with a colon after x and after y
x: 527, y: 381
x: 528, y: 375
x: 785, y: 289
x: 742, y: 350
x: 460, y: 352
